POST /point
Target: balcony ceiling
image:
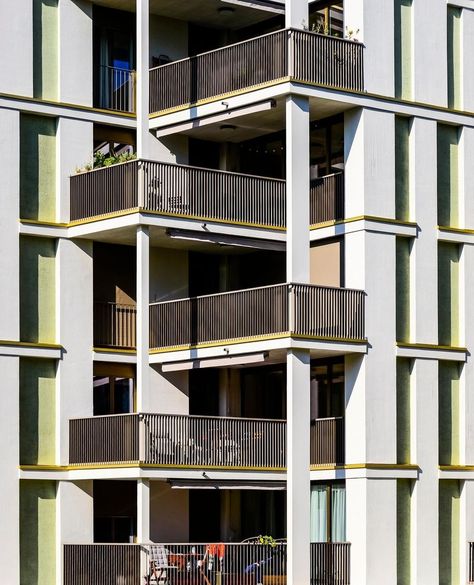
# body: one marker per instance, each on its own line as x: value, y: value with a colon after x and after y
x: 249, y: 126
x: 204, y: 12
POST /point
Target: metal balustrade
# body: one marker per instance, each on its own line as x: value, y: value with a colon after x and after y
x: 178, y: 440
x: 327, y: 441
x: 290, y: 309
x: 471, y: 562
x: 114, y: 325
x: 116, y: 89
x: 247, y: 563
x: 296, y: 54
x: 193, y: 192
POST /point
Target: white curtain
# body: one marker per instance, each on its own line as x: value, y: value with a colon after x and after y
x: 319, y: 501
x: 338, y: 514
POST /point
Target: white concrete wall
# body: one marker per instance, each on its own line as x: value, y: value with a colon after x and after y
x: 374, y: 19
x: 74, y: 323
x: 467, y: 59
x: 169, y: 513
x: 75, y: 52
x: 169, y: 392
x: 9, y: 460
x: 16, y: 46
x: 10, y: 206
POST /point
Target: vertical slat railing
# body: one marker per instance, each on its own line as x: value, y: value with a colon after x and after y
x: 103, y: 191
x: 301, y: 55
x: 104, y: 439
x: 211, y: 194
x: 116, y: 89
x: 330, y: 563
x: 114, y: 325
x: 253, y: 312
x: 470, y: 561
x: 104, y: 564
x: 327, y: 198
x: 327, y: 441
x: 181, y: 440
x: 246, y: 64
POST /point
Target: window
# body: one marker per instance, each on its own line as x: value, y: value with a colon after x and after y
x: 113, y: 389
x: 327, y: 390
x: 328, y: 512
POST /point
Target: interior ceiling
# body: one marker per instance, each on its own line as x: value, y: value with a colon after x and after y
x: 204, y: 12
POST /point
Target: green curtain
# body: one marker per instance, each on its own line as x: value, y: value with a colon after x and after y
x: 338, y: 514
x: 319, y: 501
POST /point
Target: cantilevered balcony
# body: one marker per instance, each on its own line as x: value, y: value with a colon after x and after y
x: 197, y: 193
x: 297, y: 310
x: 174, y: 440
x: 247, y: 563
x: 287, y: 54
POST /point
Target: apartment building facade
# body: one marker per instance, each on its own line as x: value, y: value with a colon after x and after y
x: 236, y: 314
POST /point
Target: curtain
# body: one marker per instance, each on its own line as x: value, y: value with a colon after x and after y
x: 338, y: 513
x: 319, y: 501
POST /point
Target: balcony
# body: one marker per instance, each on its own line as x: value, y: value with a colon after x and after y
x: 298, y: 310
x: 116, y: 89
x: 287, y: 54
x: 199, y: 564
x: 114, y: 325
x: 172, y: 440
x: 197, y: 193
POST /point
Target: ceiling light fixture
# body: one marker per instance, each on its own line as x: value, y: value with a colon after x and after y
x: 227, y: 127
x: 226, y: 10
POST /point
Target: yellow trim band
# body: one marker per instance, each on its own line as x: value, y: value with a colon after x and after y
x: 30, y: 344
x: 433, y: 347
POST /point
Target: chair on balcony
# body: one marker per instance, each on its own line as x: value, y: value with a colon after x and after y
x: 160, y: 569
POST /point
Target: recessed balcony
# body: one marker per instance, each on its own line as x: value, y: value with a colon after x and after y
x: 197, y: 193
x: 247, y: 563
x: 174, y: 440
x: 288, y: 54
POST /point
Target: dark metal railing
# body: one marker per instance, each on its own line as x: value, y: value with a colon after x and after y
x: 114, y: 325
x: 181, y: 440
x: 326, y: 199
x: 330, y: 563
x: 293, y: 309
x: 198, y: 193
x: 471, y: 562
x: 327, y: 441
x: 116, y: 89
x: 289, y: 53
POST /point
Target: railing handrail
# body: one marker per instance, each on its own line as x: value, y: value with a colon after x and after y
x: 327, y: 418
x: 104, y: 168
x: 175, y: 415
x: 115, y: 304
x: 336, y: 174
x: 116, y: 68
x: 275, y: 32
x: 256, y: 288
x: 182, y: 166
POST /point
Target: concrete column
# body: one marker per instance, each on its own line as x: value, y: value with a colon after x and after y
x: 372, y: 19
x: 425, y: 492
x: 75, y: 140
x: 297, y: 189
x: 74, y: 309
x: 424, y: 277
x: 75, y: 52
x: 143, y: 511
x: 467, y: 52
x: 10, y: 198
x: 467, y: 527
x: 74, y: 518
x: 16, y: 43
x: 296, y: 13
x: 298, y: 475
x: 143, y: 307
x: 9, y: 460
x: 430, y: 83
x: 143, y: 66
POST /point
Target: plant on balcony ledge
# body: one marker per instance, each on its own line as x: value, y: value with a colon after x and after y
x: 101, y: 160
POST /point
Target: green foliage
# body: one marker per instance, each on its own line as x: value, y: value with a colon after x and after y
x: 101, y: 160
x: 266, y: 539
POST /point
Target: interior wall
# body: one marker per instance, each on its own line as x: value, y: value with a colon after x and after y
x: 168, y: 274
x: 169, y: 513
x: 326, y: 265
x: 114, y: 273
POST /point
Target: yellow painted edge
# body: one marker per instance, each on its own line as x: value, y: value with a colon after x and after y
x: 455, y: 230
x: 68, y: 105
x: 139, y: 465
x: 214, y: 98
x: 456, y: 467
x: 104, y: 217
x: 432, y: 347
x: 42, y: 222
x: 255, y: 338
x: 114, y: 350
x: 388, y: 466
x: 31, y: 344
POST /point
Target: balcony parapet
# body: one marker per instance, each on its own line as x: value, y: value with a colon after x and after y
x: 197, y: 193
x: 245, y: 563
x: 288, y: 54
x: 296, y: 310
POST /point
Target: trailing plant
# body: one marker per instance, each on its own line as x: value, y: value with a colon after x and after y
x: 101, y: 160
x: 266, y: 539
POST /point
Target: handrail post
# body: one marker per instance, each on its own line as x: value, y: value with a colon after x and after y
x: 141, y: 183
x: 291, y: 309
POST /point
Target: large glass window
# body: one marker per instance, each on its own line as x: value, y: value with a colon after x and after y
x: 327, y: 147
x: 327, y: 18
x: 327, y: 389
x: 328, y: 512
x: 113, y: 389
